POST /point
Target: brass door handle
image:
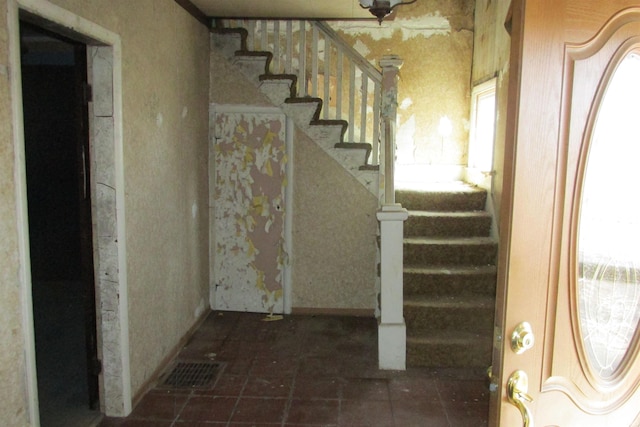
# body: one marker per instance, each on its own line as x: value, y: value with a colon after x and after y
x: 517, y: 388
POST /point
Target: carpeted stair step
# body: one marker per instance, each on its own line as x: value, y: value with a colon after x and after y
x: 229, y: 40
x: 278, y: 87
x: 281, y: 90
x: 451, y: 224
x: 454, y: 198
x: 252, y: 64
x: 449, y: 280
x: 474, y: 314
x: 449, y: 349
x: 449, y: 251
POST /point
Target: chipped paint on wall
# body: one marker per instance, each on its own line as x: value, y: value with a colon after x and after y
x: 435, y: 40
x: 361, y: 48
x: 249, y: 207
x: 424, y: 26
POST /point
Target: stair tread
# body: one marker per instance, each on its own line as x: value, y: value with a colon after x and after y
x: 436, y: 240
x: 451, y: 269
x: 445, y: 187
x: 450, y: 301
x: 447, y: 337
x: 461, y: 214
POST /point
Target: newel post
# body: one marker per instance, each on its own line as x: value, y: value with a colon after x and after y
x: 390, y: 65
x: 392, y: 335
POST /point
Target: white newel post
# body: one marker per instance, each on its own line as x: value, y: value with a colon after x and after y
x: 392, y: 335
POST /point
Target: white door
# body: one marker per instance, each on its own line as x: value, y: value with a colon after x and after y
x: 248, y: 164
x: 570, y: 224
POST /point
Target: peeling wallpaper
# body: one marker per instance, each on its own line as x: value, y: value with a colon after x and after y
x: 249, y: 211
x: 435, y: 40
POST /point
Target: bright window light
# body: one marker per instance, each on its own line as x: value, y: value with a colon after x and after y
x: 483, y: 118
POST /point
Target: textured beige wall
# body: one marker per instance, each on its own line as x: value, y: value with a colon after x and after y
x: 435, y: 39
x: 334, y: 234
x: 491, y: 58
x: 333, y: 256
x: 165, y: 121
x: 13, y: 404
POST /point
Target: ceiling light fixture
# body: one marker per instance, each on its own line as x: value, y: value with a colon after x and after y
x: 382, y: 8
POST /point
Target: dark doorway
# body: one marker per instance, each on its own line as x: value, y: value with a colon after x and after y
x: 55, y: 105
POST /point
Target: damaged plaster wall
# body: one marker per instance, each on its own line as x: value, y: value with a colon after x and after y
x: 13, y: 393
x: 491, y: 58
x: 435, y: 40
x: 165, y: 116
x: 333, y: 250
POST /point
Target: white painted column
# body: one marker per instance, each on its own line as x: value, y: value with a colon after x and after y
x: 392, y: 331
x: 392, y: 335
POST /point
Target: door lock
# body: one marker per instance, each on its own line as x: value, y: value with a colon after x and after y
x: 522, y: 338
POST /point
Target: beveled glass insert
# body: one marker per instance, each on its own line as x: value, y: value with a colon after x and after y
x: 609, y: 225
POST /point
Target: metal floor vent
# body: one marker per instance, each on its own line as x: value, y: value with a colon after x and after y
x: 192, y: 375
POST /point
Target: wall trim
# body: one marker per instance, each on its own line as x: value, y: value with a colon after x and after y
x: 193, y: 10
x: 169, y: 358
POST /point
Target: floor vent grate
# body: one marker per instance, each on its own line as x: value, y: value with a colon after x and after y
x: 192, y: 375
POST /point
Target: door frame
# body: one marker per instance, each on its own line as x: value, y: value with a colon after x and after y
x: 107, y: 194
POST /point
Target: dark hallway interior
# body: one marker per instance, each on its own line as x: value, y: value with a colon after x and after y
x: 62, y: 280
x: 306, y: 371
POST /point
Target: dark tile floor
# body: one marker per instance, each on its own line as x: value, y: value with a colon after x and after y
x: 307, y: 371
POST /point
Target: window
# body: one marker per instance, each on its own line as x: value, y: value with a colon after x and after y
x: 483, y: 118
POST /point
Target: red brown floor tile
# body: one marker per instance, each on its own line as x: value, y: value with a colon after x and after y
x: 306, y: 371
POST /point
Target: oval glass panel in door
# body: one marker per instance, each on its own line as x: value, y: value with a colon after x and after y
x: 609, y: 225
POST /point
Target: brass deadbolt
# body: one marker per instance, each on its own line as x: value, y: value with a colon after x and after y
x: 522, y: 338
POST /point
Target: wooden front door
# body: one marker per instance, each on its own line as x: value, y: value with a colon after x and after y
x: 570, y: 239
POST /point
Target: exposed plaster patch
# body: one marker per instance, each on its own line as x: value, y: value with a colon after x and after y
x: 194, y: 210
x: 361, y: 48
x: 185, y: 111
x: 159, y: 120
x: 426, y: 26
x: 406, y: 103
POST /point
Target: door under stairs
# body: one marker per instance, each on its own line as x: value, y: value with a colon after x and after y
x: 449, y: 277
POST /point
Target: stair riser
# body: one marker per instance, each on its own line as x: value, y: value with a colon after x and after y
x: 457, y: 319
x: 442, y: 201
x: 301, y: 113
x: 449, y: 355
x: 227, y: 43
x: 452, y: 226
x: 449, y: 254
x: 327, y: 136
x: 276, y: 90
x: 251, y: 66
x: 449, y: 284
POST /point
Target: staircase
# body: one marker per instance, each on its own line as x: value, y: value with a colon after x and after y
x: 304, y: 110
x: 449, y: 277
